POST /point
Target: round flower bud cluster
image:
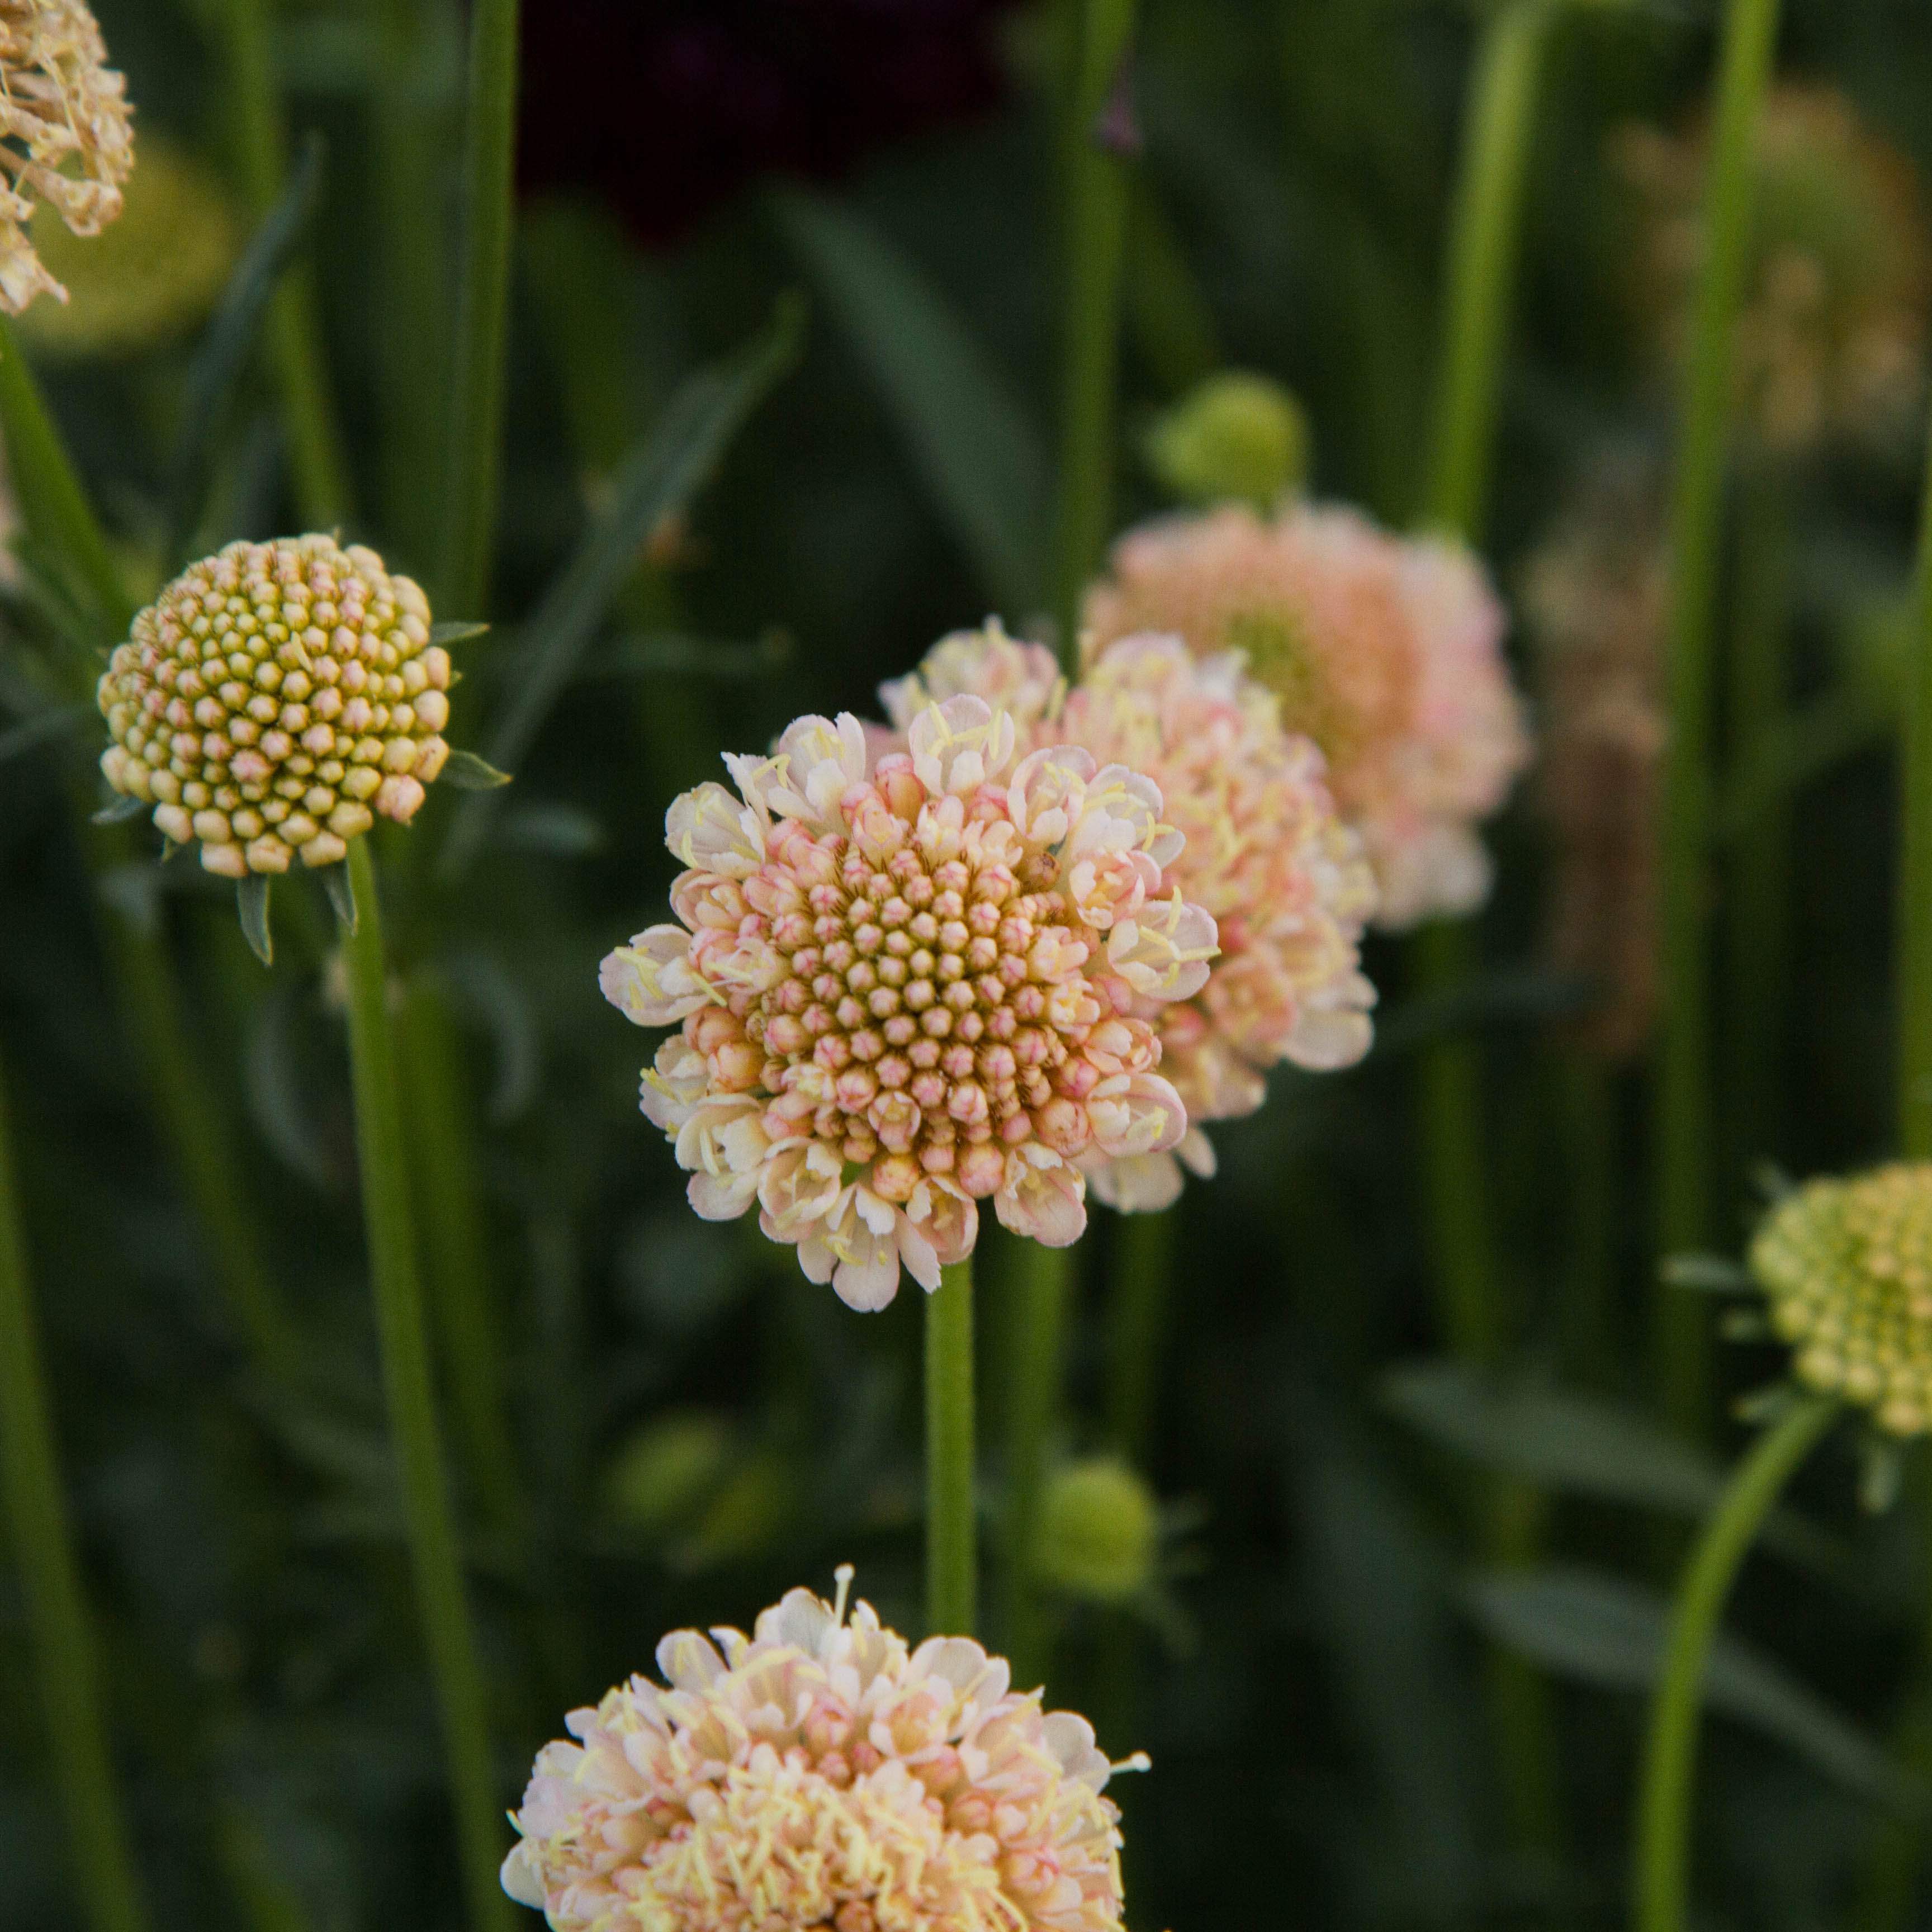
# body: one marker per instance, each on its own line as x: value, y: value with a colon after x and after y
x: 1263, y: 853
x: 819, y: 1774
x: 1099, y: 1531
x: 1237, y: 437
x: 1847, y: 1268
x: 65, y: 135
x: 1831, y: 336
x: 273, y: 699
x: 1387, y: 651
x: 910, y: 982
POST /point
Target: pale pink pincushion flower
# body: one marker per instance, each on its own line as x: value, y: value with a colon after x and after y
x: 1265, y: 853
x: 905, y: 983
x: 818, y: 1773
x: 1386, y: 651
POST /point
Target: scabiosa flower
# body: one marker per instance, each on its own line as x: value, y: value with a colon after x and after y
x: 65, y: 135
x: 273, y: 699
x: 1846, y: 1266
x: 1595, y: 597
x: 1831, y: 336
x: 1264, y: 853
x: 819, y: 1773
x: 910, y: 982
x: 1387, y: 651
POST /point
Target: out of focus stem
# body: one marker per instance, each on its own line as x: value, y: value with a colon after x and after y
x: 1661, y: 1874
x: 1143, y: 1262
x: 952, y: 1527
x: 1683, y: 1103
x: 474, y: 457
x: 402, y: 1339
x: 62, y: 522
x: 467, y: 1325
x: 321, y: 476
x: 63, y: 1664
x: 1095, y: 144
x: 1043, y: 1287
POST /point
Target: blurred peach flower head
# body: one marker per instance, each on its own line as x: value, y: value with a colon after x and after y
x: 1387, y: 651
x: 906, y: 981
x: 1264, y: 853
x: 820, y: 1773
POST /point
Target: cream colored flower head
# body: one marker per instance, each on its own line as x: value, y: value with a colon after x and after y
x: 820, y: 1774
x: 65, y: 138
x: 1387, y: 651
x: 273, y: 699
x: 1847, y: 1268
x: 1264, y: 853
x: 906, y: 982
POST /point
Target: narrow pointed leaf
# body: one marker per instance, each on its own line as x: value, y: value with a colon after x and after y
x: 1607, y: 1631
x: 464, y: 771
x: 277, y: 1088
x: 1714, y: 1274
x: 222, y: 358
x: 982, y: 462
x: 341, y: 890
x: 661, y: 474
x: 457, y: 631
x: 124, y: 807
x: 251, y: 901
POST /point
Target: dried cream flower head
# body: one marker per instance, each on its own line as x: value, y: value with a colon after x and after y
x: 1595, y: 596
x: 819, y: 1774
x: 1830, y: 337
x: 65, y: 138
x: 910, y: 982
x: 158, y: 272
x: 1264, y: 853
x: 1847, y: 1267
x: 273, y: 699
x: 1387, y: 651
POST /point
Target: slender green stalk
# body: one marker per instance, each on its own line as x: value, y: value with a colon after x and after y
x: 382, y: 1154
x: 1096, y: 218
x: 476, y: 410
x: 1043, y: 1287
x: 1485, y: 226
x: 952, y: 1524
x: 321, y: 477
x: 1661, y: 1872
x: 1143, y: 1260
x: 1683, y: 1129
x: 64, y: 1667
x: 467, y: 1327
x: 1757, y: 898
x: 62, y: 523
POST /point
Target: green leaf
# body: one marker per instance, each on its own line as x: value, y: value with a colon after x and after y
x: 1578, y: 1445
x: 981, y: 461
x: 1799, y: 749
x: 251, y: 902
x: 40, y: 729
x: 661, y: 474
x: 1512, y: 996
x: 489, y: 995
x: 456, y: 631
x: 277, y: 1089
x: 464, y: 771
x: 656, y: 653
x: 553, y: 827
x: 215, y: 377
x: 124, y: 806
x: 1604, y: 1631
x: 1714, y: 1274
x: 341, y: 890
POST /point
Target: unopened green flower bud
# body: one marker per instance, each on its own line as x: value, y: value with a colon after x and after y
x: 273, y: 699
x: 660, y: 1475
x: 1847, y: 1268
x: 1099, y: 1530
x: 1237, y: 437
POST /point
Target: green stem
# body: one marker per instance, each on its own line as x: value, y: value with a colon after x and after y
x: 476, y: 415
x: 951, y: 1529
x: 381, y: 1153
x: 1043, y: 1287
x: 1499, y: 121
x: 1143, y: 1260
x: 1096, y: 183
x: 321, y: 478
x: 1682, y: 1138
x: 467, y: 1326
x: 1662, y: 1868
x: 1915, y: 870
x: 76, y: 1741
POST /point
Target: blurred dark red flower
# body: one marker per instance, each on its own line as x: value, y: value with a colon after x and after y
x: 669, y: 106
